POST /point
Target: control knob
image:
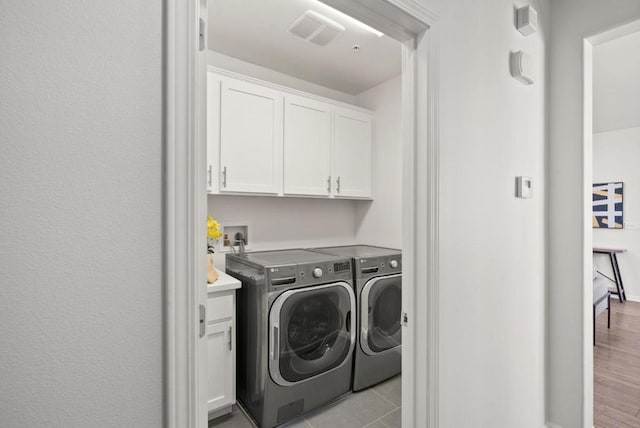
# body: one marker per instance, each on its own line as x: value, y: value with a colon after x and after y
x: 393, y: 264
x: 317, y: 272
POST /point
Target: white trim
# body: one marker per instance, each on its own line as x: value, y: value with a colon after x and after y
x: 587, y: 230
x: 587, y: 238
x: 221, y: 72
x: 184, y: 200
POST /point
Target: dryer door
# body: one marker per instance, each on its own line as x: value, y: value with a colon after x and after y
x: 380, y: 313
x: 312, y: 331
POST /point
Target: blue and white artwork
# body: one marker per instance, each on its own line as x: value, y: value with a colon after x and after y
x: 607, y: 205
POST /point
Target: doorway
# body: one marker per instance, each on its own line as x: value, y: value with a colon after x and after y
x: 611, y: 133
x: 405, y: 22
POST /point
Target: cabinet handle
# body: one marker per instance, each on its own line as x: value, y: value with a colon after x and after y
x: 338, y: 185
x: 230, y: 338
x: 224, y: 177
x: 329, y: 184
x: 210, y: 175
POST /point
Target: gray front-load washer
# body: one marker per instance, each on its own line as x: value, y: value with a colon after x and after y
x: 378, y: 285
x: 296, y: 331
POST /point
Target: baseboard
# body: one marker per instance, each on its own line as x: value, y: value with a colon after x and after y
x: 631, y: 298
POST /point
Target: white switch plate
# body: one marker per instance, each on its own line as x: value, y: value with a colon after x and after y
x: 524, y: 187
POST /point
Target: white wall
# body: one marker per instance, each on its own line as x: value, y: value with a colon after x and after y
x: 236, y: 65
x: 616, y: 88
x: 380, y: 222
x: 492, y: 248
x: 278, y: 223
x: 615, y: 158
x: 80, y: 253
x: 570, y: 359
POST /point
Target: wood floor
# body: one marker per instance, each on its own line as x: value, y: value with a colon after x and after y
x: 616, y: 367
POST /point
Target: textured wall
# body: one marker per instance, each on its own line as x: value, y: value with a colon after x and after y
x: 492, y: 245
x: 80, y: 213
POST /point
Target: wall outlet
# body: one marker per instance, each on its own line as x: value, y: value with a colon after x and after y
x: 232, y: 232
x: 524, y: 187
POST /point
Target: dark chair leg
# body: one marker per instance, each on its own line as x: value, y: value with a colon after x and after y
x: 609, y: 310
x: 594, y: 325
x: 612, y: 259
x: 619, y: 276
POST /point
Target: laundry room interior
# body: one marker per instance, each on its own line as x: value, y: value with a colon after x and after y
x: 304, y: 151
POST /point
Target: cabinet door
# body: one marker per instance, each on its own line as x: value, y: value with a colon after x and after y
x: 352, y: 153
x: 221, y: 365
x: 213, y: 133
x: 250, y: 138
x: 307, y: 147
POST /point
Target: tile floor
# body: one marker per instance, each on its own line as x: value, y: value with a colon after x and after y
x: 377, y: 407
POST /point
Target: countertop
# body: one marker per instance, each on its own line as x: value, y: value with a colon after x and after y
x: 224, y: 282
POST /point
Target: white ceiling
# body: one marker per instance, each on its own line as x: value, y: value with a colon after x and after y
x: 616, y: 84
x: 256, y: 31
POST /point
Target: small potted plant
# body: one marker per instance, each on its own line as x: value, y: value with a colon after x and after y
x: 213, y: 233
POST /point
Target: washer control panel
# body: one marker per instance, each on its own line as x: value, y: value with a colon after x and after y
x: 319, y: 273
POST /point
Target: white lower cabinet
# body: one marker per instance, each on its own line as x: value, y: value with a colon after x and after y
x: 221, y: 353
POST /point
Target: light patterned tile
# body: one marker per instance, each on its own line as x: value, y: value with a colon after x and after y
x: 356, y: 410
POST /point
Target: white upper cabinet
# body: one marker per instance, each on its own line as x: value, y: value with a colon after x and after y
x: 307, y: 147
x: 352, y: 153
x: 267, y: 139
x: 251, y: 124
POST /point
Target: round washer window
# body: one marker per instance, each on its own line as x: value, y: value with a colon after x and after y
x: 313, y: 327
x: 386, y: 311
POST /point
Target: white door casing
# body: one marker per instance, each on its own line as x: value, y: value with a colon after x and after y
x: 185, y: 204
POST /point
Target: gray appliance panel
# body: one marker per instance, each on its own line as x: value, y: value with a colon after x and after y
x: 287, y: 257
x: 359, y: 251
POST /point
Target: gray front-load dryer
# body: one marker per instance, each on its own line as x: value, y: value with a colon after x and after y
x: 296, y: 331
x: 378, y: 286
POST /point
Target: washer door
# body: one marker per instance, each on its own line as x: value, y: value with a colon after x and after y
x: 311, y: 332
x: 380, y: 313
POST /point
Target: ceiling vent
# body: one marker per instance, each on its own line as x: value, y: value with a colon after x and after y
x: 316, y: 28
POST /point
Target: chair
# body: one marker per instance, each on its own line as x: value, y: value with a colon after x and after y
x: 601, y: 300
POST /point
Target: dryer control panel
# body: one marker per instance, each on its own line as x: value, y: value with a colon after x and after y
x: 376, y: 266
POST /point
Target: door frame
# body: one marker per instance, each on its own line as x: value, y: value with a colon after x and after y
x: 587, y: 187
x: 184, y: 190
